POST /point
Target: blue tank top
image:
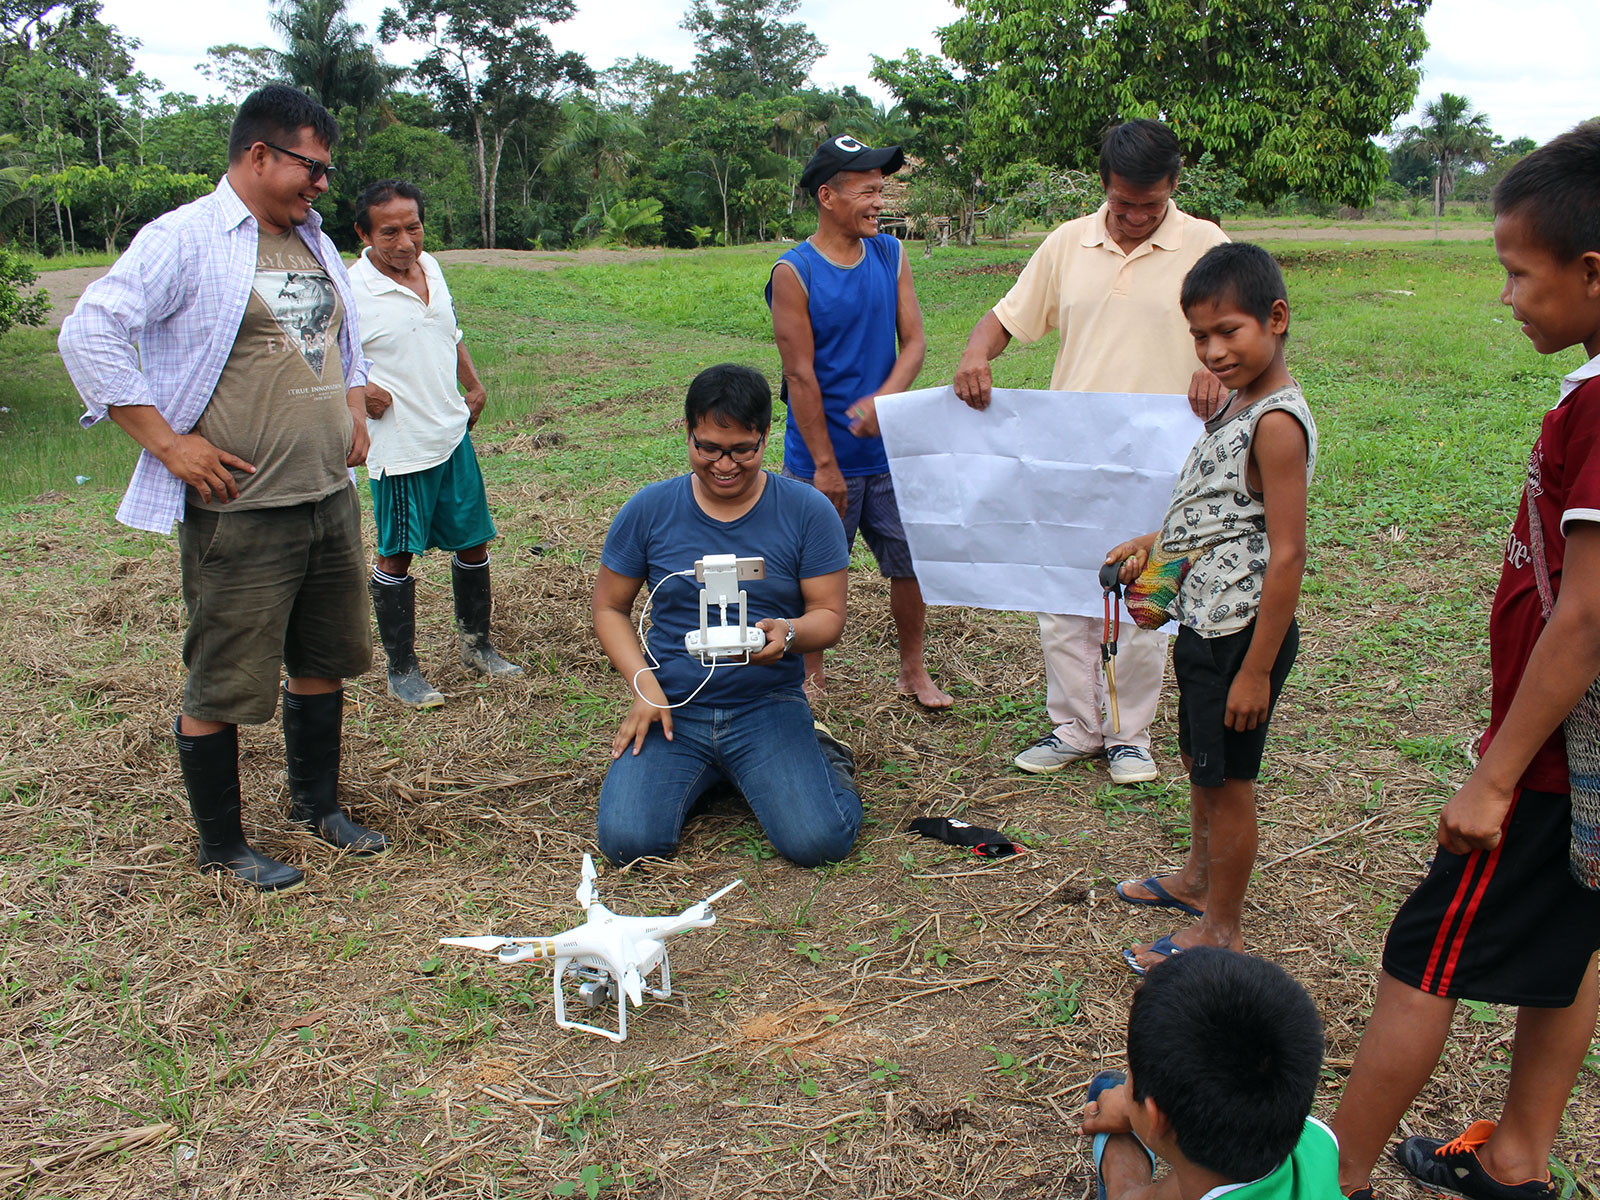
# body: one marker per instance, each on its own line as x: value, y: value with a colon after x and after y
x: 853, y: 330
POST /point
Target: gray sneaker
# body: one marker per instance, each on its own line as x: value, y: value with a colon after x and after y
x: 1048, y: 754
x: 1131, y: 764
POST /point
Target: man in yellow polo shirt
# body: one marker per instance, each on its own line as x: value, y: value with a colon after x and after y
x: 1109, y: 283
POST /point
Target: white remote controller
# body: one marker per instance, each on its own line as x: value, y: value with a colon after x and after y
x: 722, y: 643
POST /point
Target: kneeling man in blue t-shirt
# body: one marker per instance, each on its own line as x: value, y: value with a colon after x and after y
x: 747, y: 725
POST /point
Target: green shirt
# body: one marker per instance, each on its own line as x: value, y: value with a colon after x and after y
x: 1311, y: 1172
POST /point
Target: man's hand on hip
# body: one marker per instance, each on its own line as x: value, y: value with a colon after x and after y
x: 476, y: 398
x: 205, y: 468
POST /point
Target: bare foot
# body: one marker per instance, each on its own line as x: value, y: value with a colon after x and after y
x: 915, y: 681
x: 1176, y: 886
x: 1124, y: 1165
x: 1147, y: 956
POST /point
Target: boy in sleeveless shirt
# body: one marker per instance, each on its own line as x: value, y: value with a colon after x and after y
x: 1237, y: 519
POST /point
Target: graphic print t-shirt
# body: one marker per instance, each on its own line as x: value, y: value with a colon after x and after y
x: 280, y: 402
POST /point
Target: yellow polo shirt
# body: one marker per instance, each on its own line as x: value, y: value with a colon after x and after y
x: 1121, y: 327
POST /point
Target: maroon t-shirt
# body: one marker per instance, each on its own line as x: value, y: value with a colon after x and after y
x: 1564, y: 475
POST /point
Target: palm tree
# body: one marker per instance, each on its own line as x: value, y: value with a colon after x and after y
x: 1450, y: 135
x: 604, y: 140
x: 326, y: 55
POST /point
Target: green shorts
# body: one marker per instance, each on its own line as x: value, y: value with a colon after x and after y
x: 271, y: 589
x: 442, y: 507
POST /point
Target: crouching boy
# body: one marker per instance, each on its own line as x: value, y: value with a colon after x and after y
x: 1228, y: 563
x: 1224, y: 1052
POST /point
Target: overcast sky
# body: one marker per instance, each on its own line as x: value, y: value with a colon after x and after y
x: 1527, y: 63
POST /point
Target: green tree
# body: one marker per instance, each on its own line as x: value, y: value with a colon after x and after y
x: 1289, y: 93
x: 114, y: 198
x: 939, y: 106
x: 186, y: 135
x: 1449, y: 136
x: 723, y: 140
x: 748, y: 49
x: 636, y: 82
x: 65, y: 77
x: 491, y: 65
x: 631, y: 223
x: 327, y: 55
x: 604, y: 142
x: 239, y: 70
x: 430, y: 159
x: 17, y: 307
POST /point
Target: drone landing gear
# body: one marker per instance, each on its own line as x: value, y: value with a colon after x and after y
x: 597, y: 987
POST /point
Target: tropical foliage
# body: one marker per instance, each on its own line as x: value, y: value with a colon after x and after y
x: 517, y: 144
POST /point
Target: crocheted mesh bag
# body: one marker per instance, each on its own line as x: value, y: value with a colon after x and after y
x: 1149, y: 598
x: 1582, y: 730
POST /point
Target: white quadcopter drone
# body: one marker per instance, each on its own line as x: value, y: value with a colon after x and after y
x: 610, y: 957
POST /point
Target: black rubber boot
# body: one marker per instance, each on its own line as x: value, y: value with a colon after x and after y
x: 210, y: 765
x: 395, y: 607
x: 473, y: 605
x: 311, y: 749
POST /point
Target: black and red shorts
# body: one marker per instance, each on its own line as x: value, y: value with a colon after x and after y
x: 1505, y: 926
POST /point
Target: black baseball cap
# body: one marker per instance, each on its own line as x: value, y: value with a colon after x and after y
x: 844, y: 153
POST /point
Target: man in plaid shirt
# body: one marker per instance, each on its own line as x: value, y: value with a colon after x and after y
x: 224, y: 341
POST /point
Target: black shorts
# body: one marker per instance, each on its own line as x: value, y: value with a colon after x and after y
x: 1205, y: 668
x: 1505, y: 926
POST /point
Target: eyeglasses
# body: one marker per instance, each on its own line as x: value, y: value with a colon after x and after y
x: 316, y: 166
x: 739, y: 454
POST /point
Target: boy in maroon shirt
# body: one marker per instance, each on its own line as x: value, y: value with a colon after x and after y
x: 1499, y: 917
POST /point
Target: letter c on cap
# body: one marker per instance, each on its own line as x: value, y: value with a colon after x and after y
x: 848, y: 144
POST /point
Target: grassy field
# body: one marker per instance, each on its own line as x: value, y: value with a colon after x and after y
x: 908, y: 1023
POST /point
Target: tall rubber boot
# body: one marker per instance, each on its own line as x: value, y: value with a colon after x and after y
x: 395, y: 607
x: 210, y: 765
x: 311, y: 749
x: 473, y: 605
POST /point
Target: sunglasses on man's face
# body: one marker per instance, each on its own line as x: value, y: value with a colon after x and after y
x: 316, y: 166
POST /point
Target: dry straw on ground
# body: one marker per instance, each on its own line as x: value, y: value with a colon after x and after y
x: 915, y: 1023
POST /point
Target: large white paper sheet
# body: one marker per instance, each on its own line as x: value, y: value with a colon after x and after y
x: 1015, y: 507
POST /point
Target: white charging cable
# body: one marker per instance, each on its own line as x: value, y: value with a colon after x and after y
x: 652, y: 664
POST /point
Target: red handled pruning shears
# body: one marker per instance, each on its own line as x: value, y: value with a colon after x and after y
x: 1111, y: 583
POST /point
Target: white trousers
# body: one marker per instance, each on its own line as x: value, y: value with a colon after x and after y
x: 1075, y: 685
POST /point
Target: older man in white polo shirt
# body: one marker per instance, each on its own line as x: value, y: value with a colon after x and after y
x: 427, y: 490
x: 1109, y: 283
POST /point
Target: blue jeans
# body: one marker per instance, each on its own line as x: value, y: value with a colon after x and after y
x: 766, y: 748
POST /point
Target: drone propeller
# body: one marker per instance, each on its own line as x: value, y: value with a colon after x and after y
x: 721, y: 892
x: 487, y: 944
x: 586, y: 884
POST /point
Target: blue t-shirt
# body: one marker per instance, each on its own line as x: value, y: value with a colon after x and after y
x: 662, y: 530
x: 856, y: 343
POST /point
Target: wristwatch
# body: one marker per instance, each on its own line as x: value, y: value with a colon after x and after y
x: 788, y: 638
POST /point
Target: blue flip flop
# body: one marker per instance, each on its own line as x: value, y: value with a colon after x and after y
x: 1163, y: 945
x: 1100, y: 1083
x: 1161, y: 898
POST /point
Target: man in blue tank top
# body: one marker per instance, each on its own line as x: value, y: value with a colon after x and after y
x: 849, y: 328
